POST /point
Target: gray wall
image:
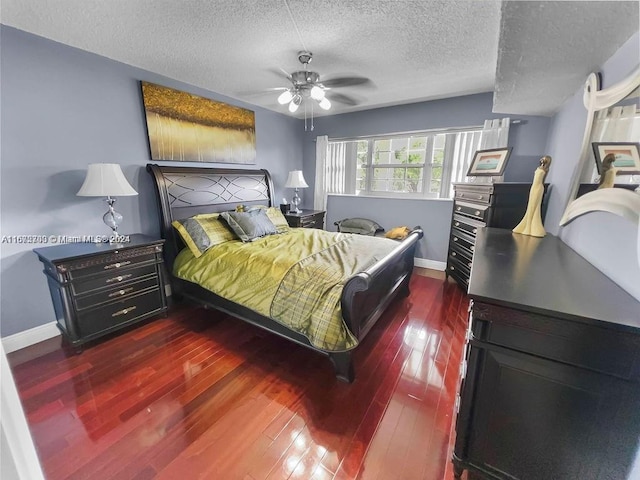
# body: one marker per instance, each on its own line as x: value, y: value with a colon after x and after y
x: 527, y: 138
x: 63, y: 108
x: 609, y: 242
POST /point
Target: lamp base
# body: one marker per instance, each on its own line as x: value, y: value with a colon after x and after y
x: 112, y: 218
x: 295, y: 201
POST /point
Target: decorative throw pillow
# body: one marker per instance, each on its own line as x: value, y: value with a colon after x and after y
x: 276, y: 217
x: 249, y: 226
x: 201, y: 232
x: 362, y: 226
x: 398, y: 233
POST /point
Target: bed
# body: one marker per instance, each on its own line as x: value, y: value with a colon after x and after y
x: 183, y: 192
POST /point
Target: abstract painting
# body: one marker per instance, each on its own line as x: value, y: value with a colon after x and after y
x: 188, y: 128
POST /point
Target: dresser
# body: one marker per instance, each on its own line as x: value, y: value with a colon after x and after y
x: 500, y: 205
x: 98, y: 288
x: 306, y: 219
x: 550, y: 381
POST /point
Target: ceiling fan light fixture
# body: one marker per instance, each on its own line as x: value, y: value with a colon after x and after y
x: 285, y: 97
x: 317, y: 93
x: 295, y: 103
x: 325, y: 104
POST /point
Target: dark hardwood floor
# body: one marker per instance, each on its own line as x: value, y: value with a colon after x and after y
x: 202, y: 395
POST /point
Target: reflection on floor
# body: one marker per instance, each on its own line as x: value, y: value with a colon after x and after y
x: 202, y: 395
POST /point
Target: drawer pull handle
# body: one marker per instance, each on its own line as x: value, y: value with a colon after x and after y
x: 457, y: 224
x: 117, y: 265
x: 119, y: 278
x: 475, y: 230
x: 472, y: 248
x: 120, y: 292
x: 124, y: 311
x: 461, y: 194
x: 458, y: 208
x: 454, y: 254
x: 452, y: 267
x: 469, y: 264
x: 480, y: 197
x: 477, y: 212
x: 455, y: 239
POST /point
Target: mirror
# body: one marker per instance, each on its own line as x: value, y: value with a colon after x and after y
x: 619, y: 201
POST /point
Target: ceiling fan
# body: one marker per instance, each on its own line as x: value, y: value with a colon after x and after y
x: 306, y: 84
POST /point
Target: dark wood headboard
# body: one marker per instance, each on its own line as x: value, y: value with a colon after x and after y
x: 186, y: 191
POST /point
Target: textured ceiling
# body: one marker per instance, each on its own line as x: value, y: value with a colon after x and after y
x: 411, y: 50
x: 547, y: 50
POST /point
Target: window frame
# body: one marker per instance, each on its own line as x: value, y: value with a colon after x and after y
x: 427, y: 167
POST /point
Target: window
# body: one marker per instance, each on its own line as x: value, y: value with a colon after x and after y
x: 410, y: 165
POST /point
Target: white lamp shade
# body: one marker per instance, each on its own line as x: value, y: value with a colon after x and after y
x: 105, y: 180
x: 317, y: 93
x: 285, y: 97
x: 295, y: 180
x: 325, y: 104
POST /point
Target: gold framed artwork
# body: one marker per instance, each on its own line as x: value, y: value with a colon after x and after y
x: 491, y: 162
x: 188, y: 128
x: 627, y: 156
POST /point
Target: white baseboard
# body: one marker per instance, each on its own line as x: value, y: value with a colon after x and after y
x: 432, y: 264
x: 30, y: 337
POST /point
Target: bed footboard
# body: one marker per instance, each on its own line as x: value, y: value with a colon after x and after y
x: 366, y: 295
x: 343, y: 366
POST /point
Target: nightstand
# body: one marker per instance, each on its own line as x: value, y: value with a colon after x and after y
x: 306, y: 219
x: 98, y: 288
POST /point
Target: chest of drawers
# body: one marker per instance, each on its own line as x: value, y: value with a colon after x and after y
x: 306, y: 219
x: 99, y: 288
x: 500, y: 205
x: 550, y: 381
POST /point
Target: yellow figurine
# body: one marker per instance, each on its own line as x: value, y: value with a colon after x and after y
x: 531, y: 223
x: 608, y: 176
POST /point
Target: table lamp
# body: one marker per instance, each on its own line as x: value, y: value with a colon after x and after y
x: 295, y: 180
x: 107, y: 180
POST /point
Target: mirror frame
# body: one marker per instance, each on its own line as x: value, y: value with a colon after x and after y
x: 618, y: 201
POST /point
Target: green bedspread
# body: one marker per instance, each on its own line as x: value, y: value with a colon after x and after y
x: 294, y: 278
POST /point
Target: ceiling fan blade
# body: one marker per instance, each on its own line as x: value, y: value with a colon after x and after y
x: 266, y: 91
x: 346, y: 81
x: 341, y: 98
x: 280, y: 72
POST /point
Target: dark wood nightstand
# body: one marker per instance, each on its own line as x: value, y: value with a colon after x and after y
x: 98, y: 288
x: 306, y: 219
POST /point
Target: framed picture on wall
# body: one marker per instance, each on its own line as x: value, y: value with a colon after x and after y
x: 184, y: 127
x: 490, y: 162
x: 627, y: 155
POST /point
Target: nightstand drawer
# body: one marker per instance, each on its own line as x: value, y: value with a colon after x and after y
x: 306, y: 219
x: 313, y: 222
x: 473, y: 211
x: 112, y: 278
x: 125, y: 290
x: 115, y: 314
x: 109, y: 264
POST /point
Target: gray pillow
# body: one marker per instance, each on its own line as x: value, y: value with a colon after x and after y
x: 249, y: 226
x: 362, y: 226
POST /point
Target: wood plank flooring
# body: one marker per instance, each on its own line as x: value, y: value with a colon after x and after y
x: 203, y: 395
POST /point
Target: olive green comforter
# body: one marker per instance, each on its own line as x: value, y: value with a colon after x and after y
x: 295, y: 278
